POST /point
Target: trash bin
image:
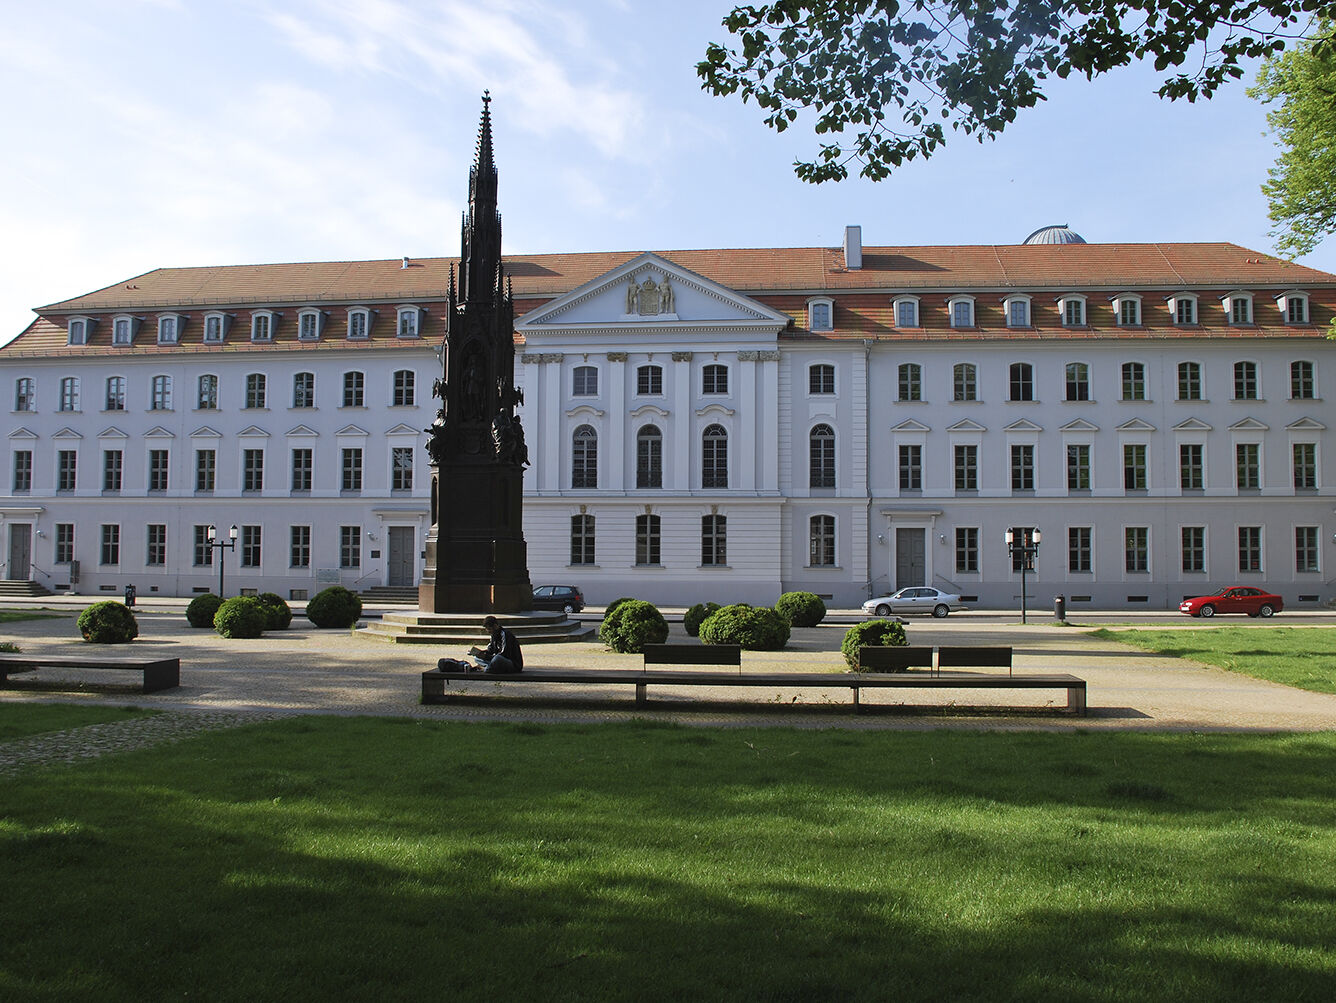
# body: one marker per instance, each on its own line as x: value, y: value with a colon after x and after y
x: 129, y: 595
x: 1060, y: 607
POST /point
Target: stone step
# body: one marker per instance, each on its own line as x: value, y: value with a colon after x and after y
x: 23, y: 588
x: 403, y: 627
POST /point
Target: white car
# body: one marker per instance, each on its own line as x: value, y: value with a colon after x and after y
x: 916, y: 599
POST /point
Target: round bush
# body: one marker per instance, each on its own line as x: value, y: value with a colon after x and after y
x: 334, y: 607
x: 755, y: 628
x: 108, y: 623
x: 887, y: 633
x: 801, y: 609
x: 243, y: 616
x: 277, y: 613
x: 608, y: 610
x: 632, y: 625
x: 697, y: 615
x: 202, y: 608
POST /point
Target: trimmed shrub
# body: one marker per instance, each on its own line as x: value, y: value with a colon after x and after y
x: 334, y: 607
x: 608, y: 610
x: 10, y: 648
x: 887, y: 633
x: 756, y: 628
x: 277, y: 613
x: 243, y: 616
x: 108, y: 623
x: 801, y: 609
x: 697, y: 615
x: 202, y: 609
x: 632, y: 625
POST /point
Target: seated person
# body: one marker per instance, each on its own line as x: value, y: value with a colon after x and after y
x: 502, y: 655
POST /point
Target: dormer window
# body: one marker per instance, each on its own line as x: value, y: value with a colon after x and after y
x: 1238, y: 308
x: 1293, y: 307
x: 820, y: 314
x: 169, y: 328
x: 906, y: 311
x: 1072, y: 309
x: 1183, y: 308
x: 961, y: 311
x: 215, y: 327
x: 1017, y: 310
x: 1127, y: 310
x: 310, y: 323
x: 359, y: 323
x: 78, y: 330
x: 410, y: 321
x: 263, y: 323
x: 123, y: 330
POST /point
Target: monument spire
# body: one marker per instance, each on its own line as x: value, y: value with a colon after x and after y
x: 480, y: 261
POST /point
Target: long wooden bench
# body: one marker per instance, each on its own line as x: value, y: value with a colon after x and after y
x: 159, y: 673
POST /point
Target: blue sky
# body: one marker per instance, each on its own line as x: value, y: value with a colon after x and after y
x: 149, y: 133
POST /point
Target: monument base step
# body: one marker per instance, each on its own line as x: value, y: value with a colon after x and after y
x: 401, y: 627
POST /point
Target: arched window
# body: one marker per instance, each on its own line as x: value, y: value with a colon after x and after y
x: 965, y: 382
x: 208, y: 393
x: 910, y: 381
x: 714, y: 457
x: 69, y: 393
x: 1022, y: 381
x: 115, y: 393
x: 714, y: 380
x: 822, y: 451
x: 303, y: 390
x: 585, y: 382
x: 1078, y: 381
x: 404, y: 389
x: 649, y: 381
x: 25, y: 394
x: 649, y: 458
x: 160, y: 395
x: 584, y: 458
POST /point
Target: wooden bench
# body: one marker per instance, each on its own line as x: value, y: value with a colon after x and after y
x: 159, y: 673
x: 693, y: 654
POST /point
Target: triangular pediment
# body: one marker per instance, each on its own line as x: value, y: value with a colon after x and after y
x: 352, y: 430
x: 1192, y: 425
x: 67, y: 433
x: 402, y: 429
x: 158, y: 432
x: 1023, y: 425
x: 650, y: 291
x: 205, y: 432
x: 302, y: 430
x: 1136, y: 425
x: 112, y: 432
x: 23, y: 433
x: 253, y: 432
x: 1249, y: 425
x: 910, y: 425
x: 966, y: 425
x: 1306, y: 424
x: 1079, y: 425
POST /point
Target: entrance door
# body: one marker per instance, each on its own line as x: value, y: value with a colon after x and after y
x: 909, y: 552
x: 402, y: 568
x: 20, y: 552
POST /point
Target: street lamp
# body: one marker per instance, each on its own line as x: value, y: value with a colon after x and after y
x: 218, y: 544
x: 1026, y: 544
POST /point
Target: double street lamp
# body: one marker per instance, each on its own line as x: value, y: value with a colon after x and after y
x: 1022, y: 543
x: 218, y: 544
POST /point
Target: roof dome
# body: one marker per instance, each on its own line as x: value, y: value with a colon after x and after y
x: 1061, y: 234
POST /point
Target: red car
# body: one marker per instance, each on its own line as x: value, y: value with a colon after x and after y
x: 1241, y: 599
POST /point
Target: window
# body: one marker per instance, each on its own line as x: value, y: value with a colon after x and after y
x: 206, y: 465
x: 1250, y: 548
x: 911, y: 468
x: 160, y: 393
x: 714, y: 457
x: 1022, y: 468
x: 405, y: 388
x: 1136, y: 549
x: 582, y: 539
x: 910, y: 381
x: 359, y: 325
x: 1128, y: 311
x: 1238, y: 308
x: 1305, y: 549
x: 1021, y: 381
x: 350, y: 546
x: 906, y: 311
x: 821, y: 379
x: 967, y: 550
x: 167, y: 330
x: 649, y: 381
x: 351, y: 477
x: 1078, y: 467
x: 67, y: 470
x: 69, y: 393
x: 961, y: 311
x: 113, y: 467
x: 821, y: 457
x: 821, y: 541
x: 208, y: 393
x: 1301, y: 381
x: 819, y: 313
x: 1024, y: 554
x: 353, y: 389
x: 299, y: 546
x: 122, y: 331
x: 1184, y: 309
x: 1245, y: 381
x: 401, y: 468
x: 584, y: 458
x: 1078, y: 381
x: 255, y: 390
x: 713, y: 540
x: 409, y: 318
x: 1294, y: 308
x: 647, y: 539
x: 584, y: 381
x: 302, y: 469
x: 64, y: 543
x: 1189, y: 381
x: 303, y: 390
x: 714, y: 380
x: 1018, y: 311
x: 262, y: 326
x: 1080, y: 551
x: 308, y: 325
x: 1134, y: 466
x: 1192, y: 549
x: 1248, y: 465
x: 1134, y: 381
x: 115, y: 393
x: 967, y: 468
x: 215, y: 325
x: 158, y: 463
x: 964, y: 379
x: 1305, y: 465
x: 250, y: 547
x: 203, y: 551
x: 22, y: 470
x: 77, y: 332
x: 111, y: 545
x: 25, y: 395
x: 1073, y: 310
x: 649, y: 458
x: 1191, y: 466
x: 252, y: 470
x: 156, y: 553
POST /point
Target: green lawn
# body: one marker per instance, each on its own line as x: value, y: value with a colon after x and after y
x: 1303, y: 657
x: 321, y: 857
x: 21, y: 719
x: 15, y: 615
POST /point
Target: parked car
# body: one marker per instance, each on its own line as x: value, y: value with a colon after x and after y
x: 567, y: 598
x: 916, y: 599
x: 1240, y: 599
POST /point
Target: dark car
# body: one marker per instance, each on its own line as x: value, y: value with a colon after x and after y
x: 567, y: 598
x: 1240, y: 599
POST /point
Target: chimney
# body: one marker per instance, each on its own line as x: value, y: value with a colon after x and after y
x: 405, y: 264
x: 853, y: 248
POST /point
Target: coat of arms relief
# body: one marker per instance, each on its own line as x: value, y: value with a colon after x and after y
x: 649, y: 298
